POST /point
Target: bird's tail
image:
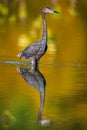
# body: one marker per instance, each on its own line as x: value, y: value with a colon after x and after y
x: 19, y: 55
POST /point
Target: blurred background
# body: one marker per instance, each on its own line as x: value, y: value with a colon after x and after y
x: 64, y: 66
x: 20, y: 24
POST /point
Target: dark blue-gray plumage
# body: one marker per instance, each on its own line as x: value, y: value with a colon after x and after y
x: 36, y: 50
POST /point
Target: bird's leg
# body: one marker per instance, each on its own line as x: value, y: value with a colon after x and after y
x: 37, y: 63
x: 34, y: 65
x: 33, y: 62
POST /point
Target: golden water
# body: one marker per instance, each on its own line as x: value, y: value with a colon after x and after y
x: 63, y: 67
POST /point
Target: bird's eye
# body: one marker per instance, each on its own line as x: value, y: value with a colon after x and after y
x: 48, y: 8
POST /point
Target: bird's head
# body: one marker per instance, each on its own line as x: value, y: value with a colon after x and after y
x: 48, y: 10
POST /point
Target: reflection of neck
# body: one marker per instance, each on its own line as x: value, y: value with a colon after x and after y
x: 42, y: 98
x: 44, y: 27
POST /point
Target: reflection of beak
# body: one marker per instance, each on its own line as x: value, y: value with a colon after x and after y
x: 45, y: 123
x: 56, y: 12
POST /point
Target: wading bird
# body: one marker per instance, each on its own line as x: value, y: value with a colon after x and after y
x: 36, y: 50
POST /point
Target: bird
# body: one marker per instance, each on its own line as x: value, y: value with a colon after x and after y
x: 36, y: 50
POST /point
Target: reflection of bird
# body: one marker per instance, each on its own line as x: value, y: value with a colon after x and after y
x: 37, y: 80
x: 35, y: 51
x: 34, y: 78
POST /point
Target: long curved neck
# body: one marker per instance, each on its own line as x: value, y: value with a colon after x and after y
x: 44, y: 36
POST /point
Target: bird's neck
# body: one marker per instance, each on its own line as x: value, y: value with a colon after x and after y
x: 44, y: 36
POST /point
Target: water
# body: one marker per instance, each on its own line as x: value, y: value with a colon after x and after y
x: 55, y: 96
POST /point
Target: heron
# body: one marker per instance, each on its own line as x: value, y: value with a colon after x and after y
x: 36, y: 50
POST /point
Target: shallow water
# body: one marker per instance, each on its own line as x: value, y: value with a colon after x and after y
x: 62, y: 90
x: 55, y: 96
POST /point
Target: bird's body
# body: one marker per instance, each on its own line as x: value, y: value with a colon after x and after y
x: 36, y: 50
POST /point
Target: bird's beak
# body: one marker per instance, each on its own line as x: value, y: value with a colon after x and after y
x: 56, y: 12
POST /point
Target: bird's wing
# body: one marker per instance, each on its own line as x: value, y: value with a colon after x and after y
x: 31, y: 50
